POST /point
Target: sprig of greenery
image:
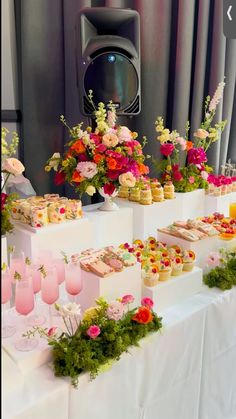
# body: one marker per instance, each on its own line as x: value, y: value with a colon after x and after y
x: 223, y: 277
x: 17, y: 276
x: 27, y: 261
x: 65, y: 257
x: 43, y: 271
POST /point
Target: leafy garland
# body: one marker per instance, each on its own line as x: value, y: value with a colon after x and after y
x: 224, y: 275
x: 78, y: 352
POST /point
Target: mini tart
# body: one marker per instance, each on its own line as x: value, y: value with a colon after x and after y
x: 177, y: 266
x: 137, y: 242
x: 165, y: 269
x: 151, y: 276
x: 146, y: 197
x: 188, y: 260
x: 134, y: 194
x: 151, y: 240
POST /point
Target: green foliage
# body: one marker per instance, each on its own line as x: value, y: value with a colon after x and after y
x: 223, y: 277
x: 6, y: 225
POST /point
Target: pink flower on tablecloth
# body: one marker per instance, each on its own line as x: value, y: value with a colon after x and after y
x: 52, y: 331
x: 93, y: 331
x: 127, y: 299
x: 115, y: 311
x: 147, y: 302
x: 213, y: 259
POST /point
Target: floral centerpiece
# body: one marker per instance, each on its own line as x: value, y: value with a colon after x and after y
x: 221, y: 267
x: 195, y: 173
x: 9, y: 166
x: 101, y: 160
x: 104, y: 333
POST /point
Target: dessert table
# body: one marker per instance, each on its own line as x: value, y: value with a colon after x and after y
x: 188, y: 368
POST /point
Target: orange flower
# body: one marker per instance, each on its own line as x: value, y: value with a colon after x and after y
x: 189, y: 145
x: 143, y: 315
x: 97, y: 158
x: 143, y: 169
x: 76, y: 177
x: 111, y: 163
x: 78, y: 147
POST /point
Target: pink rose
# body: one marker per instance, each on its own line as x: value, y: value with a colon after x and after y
x: 93, y: 331
x: 101, y: 148
x: 191, y: 179
x: 213, y: 259
x: 51, y: 331
x: 167, y: 149
x: 13, y: 166
x: 147, y: 302
x: 109, y: 188
x: 115, y: 311
x: 127, y: 299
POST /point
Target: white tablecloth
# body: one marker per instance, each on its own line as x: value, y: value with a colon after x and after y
x: 186, y: 372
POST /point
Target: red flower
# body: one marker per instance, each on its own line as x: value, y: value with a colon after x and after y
x: 96, y: 138
x: 177, y: 176
x: 113, y: 174
x: 59, y: 178
x: 82, y: 157
x: 3, y: 200
x: 167, y: 149
x: 109, y: 188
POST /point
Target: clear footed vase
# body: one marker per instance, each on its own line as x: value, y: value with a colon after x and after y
x: 108, y: 204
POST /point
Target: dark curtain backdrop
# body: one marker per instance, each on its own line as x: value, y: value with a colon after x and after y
x: 184, y: 55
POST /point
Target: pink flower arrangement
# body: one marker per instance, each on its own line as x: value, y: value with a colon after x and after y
x: 197, y: 156
x: 147, y: 302
x: 93, y: 331
x: 115, y: 311
x: 127, y: 299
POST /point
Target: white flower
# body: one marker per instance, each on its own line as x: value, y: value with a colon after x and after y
x: 70, y: 310
x: 90, y: 190
x: 127, y: 179
x: 13, y: 166
x: 54, y: 161
x: 124, y: 134
x: 217, y: 96
x: 111, y: 118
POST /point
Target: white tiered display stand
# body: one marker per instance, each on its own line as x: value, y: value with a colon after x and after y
x: 219, y: 203
x: 111, y: 287
x: 110, y: 227
x: 4, y: 250
x: 175, y: 290
x: 147, y: 218
x: 191, y: 204
x: 71, y: 237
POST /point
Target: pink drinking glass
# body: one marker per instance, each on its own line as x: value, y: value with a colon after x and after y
x: 17, y: 264
x: 24, y: 304
x: 59, y: 264
x: 73, y: 279
x: 36, y: 319
x: 50, y: 289
x: 45, y: 257
x: 7, y: 330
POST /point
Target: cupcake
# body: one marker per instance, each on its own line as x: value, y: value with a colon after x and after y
x: 169, y: 190
x: 123, y: 192
x: 134, y: 194
x: 164, y: 266
x: 188, y: 260
x: 177, y: 266
x: 150, y: 275
x: 146, y: 196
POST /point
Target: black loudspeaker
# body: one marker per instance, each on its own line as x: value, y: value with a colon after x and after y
x: 108, y: 59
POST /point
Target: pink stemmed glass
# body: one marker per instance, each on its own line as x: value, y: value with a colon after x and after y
x: 45, y: 257
x: 24, y: 304
x: 17, y: 264
x: 73, y: 279
x: 6, y: 294
x: 59, y: 264
x: 36, y: 319
x: 50, y: 289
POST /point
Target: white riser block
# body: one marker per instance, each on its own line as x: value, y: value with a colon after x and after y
x: 147, y: 218
x: 192, y: 204
x: 112, y: 287
x: 219, y: 203
x: 70, y: 237
x: 175, y: 290
x: 110, y: 227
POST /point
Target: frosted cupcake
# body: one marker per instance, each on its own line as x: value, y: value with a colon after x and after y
x: 188, y: 260
x: 146, y: 195
x: 164, y: 266
x: 150, y: 275
x: 177, y: 266
x: 169, y: 190
x: 123, y: 192
x: 134, y: 194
